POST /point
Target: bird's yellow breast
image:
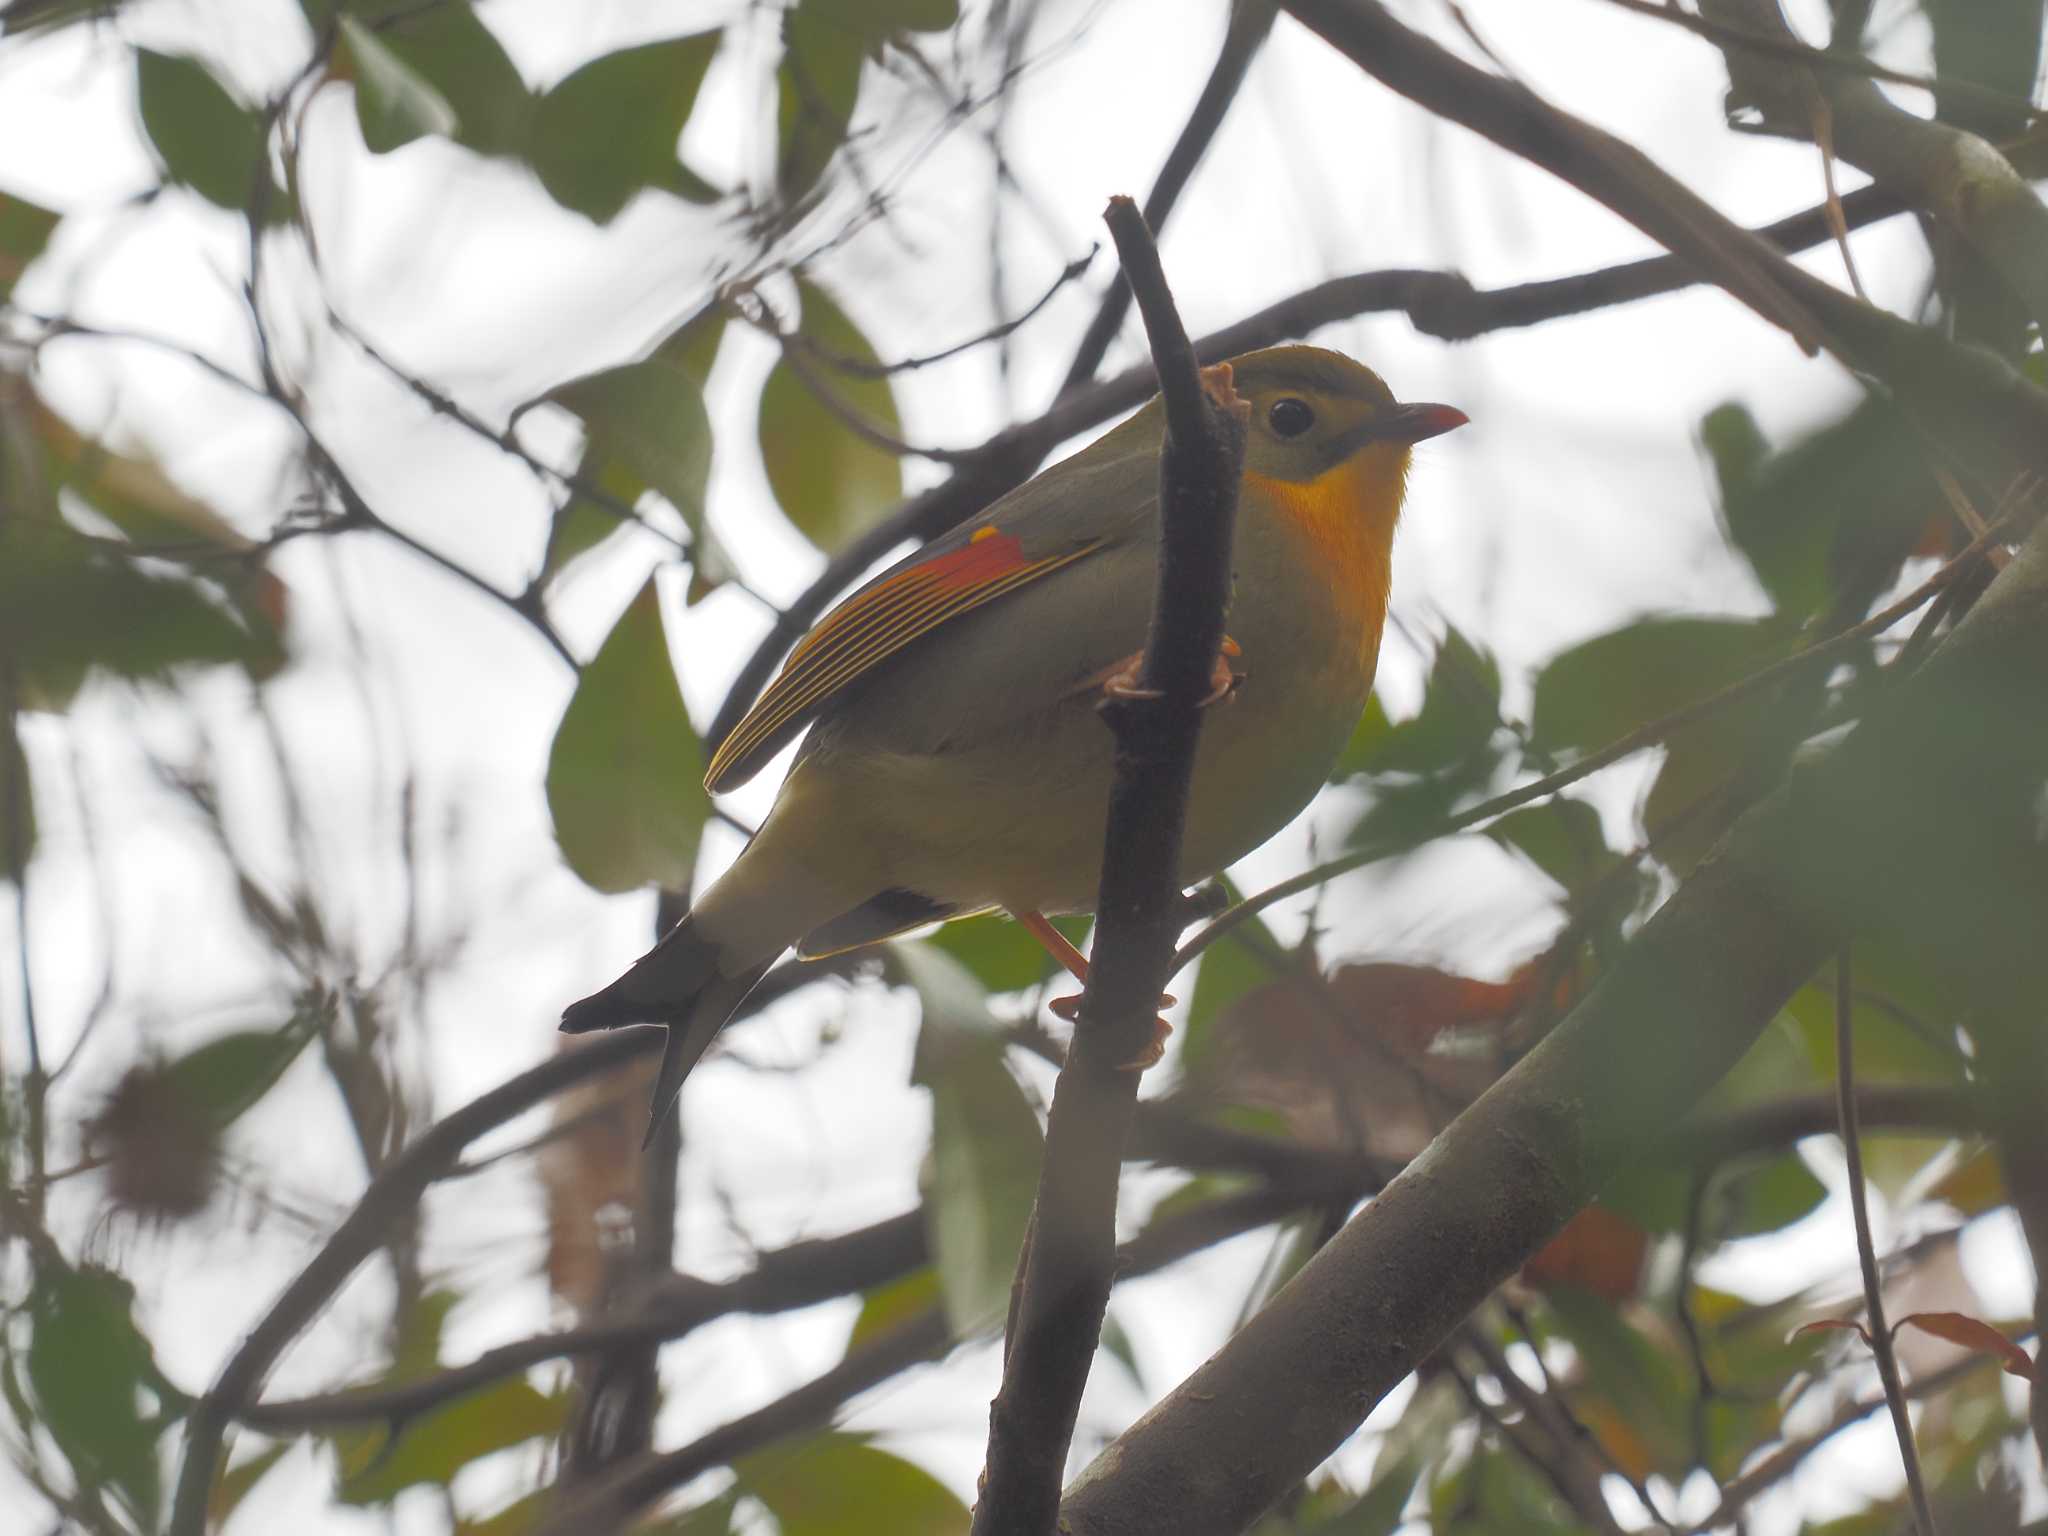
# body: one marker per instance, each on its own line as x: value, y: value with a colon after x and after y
x: 1343, y: 525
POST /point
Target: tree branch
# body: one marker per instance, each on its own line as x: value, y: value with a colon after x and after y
x: 1687, y: 997
x: 1947, y: 172
x: 608, y: 1504
x: 395, y: 1190
x: 1068, y: 1260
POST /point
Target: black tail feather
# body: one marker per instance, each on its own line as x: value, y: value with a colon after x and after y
x: 678, y: 984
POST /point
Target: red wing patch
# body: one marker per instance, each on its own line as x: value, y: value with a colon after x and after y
x: 870, y: 626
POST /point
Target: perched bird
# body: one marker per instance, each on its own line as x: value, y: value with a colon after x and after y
x: 955, y: 762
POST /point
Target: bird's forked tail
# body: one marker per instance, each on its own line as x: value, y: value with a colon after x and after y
x: 677, y: 983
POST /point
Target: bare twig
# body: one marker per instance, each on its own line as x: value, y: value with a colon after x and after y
x: 1251, y: 21
x: 1866, y: 1254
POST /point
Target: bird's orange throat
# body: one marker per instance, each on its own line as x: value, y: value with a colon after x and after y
x: 1345, y: 518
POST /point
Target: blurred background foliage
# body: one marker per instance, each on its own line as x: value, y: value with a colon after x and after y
x: 241, y: 884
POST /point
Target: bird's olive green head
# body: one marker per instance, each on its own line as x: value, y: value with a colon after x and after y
x: 1313, y: 409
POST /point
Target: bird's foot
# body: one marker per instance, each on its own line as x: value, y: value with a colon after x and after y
x: 1069, y: 1008
x: 1121, y: 681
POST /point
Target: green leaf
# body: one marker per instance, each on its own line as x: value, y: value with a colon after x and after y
x: 1772, y: 1196
x: 1000, y: 953
x: 1647, y: 1389
x: 1234, y: 965
x: 887, y: 1307
x: 450, y: 48
x: 17, y: 804
x: 609, y: 130
x: 89, y: 1367
x: 236, y: 1483
x: 986, y: 1143
x: 24, y: 231
x: 829, y: 481
x: 816, y: 88
x: 837, y: 1484
x: 394, y: 105
x: 1460, y: 712
x: 206, y: 139
x: 645, y: 428
x: 879, y: 17
x: 626, y: 774
x: 1560, y: 837
x: 1607, y: 686
x: 433, y: 1449
x: 1372, y: 729
x: 227, y: 1076
x: 69, y: 604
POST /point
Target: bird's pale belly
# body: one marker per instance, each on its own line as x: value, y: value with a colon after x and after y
x: 1001, y: 824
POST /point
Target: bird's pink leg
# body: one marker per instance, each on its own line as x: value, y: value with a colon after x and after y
x: 1076, y: 965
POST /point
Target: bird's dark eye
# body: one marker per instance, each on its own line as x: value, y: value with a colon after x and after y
x: 1291, y: 417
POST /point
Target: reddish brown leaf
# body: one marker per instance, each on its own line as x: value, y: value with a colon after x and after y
x: 1960, y: 1328
x: 1818, y: 1324
x: 1598, y: 1251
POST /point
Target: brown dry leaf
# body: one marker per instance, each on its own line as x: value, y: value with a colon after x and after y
x: 1974, y: 1335
x: 1348, y: 1063
x: 590, y: 1175
x: 1598, y: 1251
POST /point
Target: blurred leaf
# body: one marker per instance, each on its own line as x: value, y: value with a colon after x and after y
x: 69, y: 604
x: 837, y: 1484
x: 1599, y: 1251
x: 1833, y: 1325
x: 1230, y: 968
x: 816, y: 88
x: 433, y: 1449
x: 877, y: 17
x: 1973, y: 1334
x: 887, y: 1307
x: 1607, y: 686
x: 626, y: 773
x: 1561, y: 837
x: 1377, y: 1511
x: 89, y: 1367
x: 829, y: 481
x: 1371, y: 730
x: 226, y: 1077
x: 986, y: 1142
x: 394, y: 105
x: 646, y: 427
x: 610, y: 129
x: 1890, y: 1048
x: 1773, y: 1196
x: 1116, y: 1343
x: 17, y: 804
x: 234, y: 1485
x: 1975, y: 1185
x: 1646, y: 1390
x: 24, y: 231
x: 1460, y: 712
x: 1001, y: 953
x: 205, y: 138
x: 450, y: 47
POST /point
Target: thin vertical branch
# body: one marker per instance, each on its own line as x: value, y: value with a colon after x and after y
x: 1866, y: 1254
x: 1070, y: 1262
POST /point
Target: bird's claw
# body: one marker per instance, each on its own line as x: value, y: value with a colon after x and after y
x: 1122, y: 681
x: 1069, y: 1008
